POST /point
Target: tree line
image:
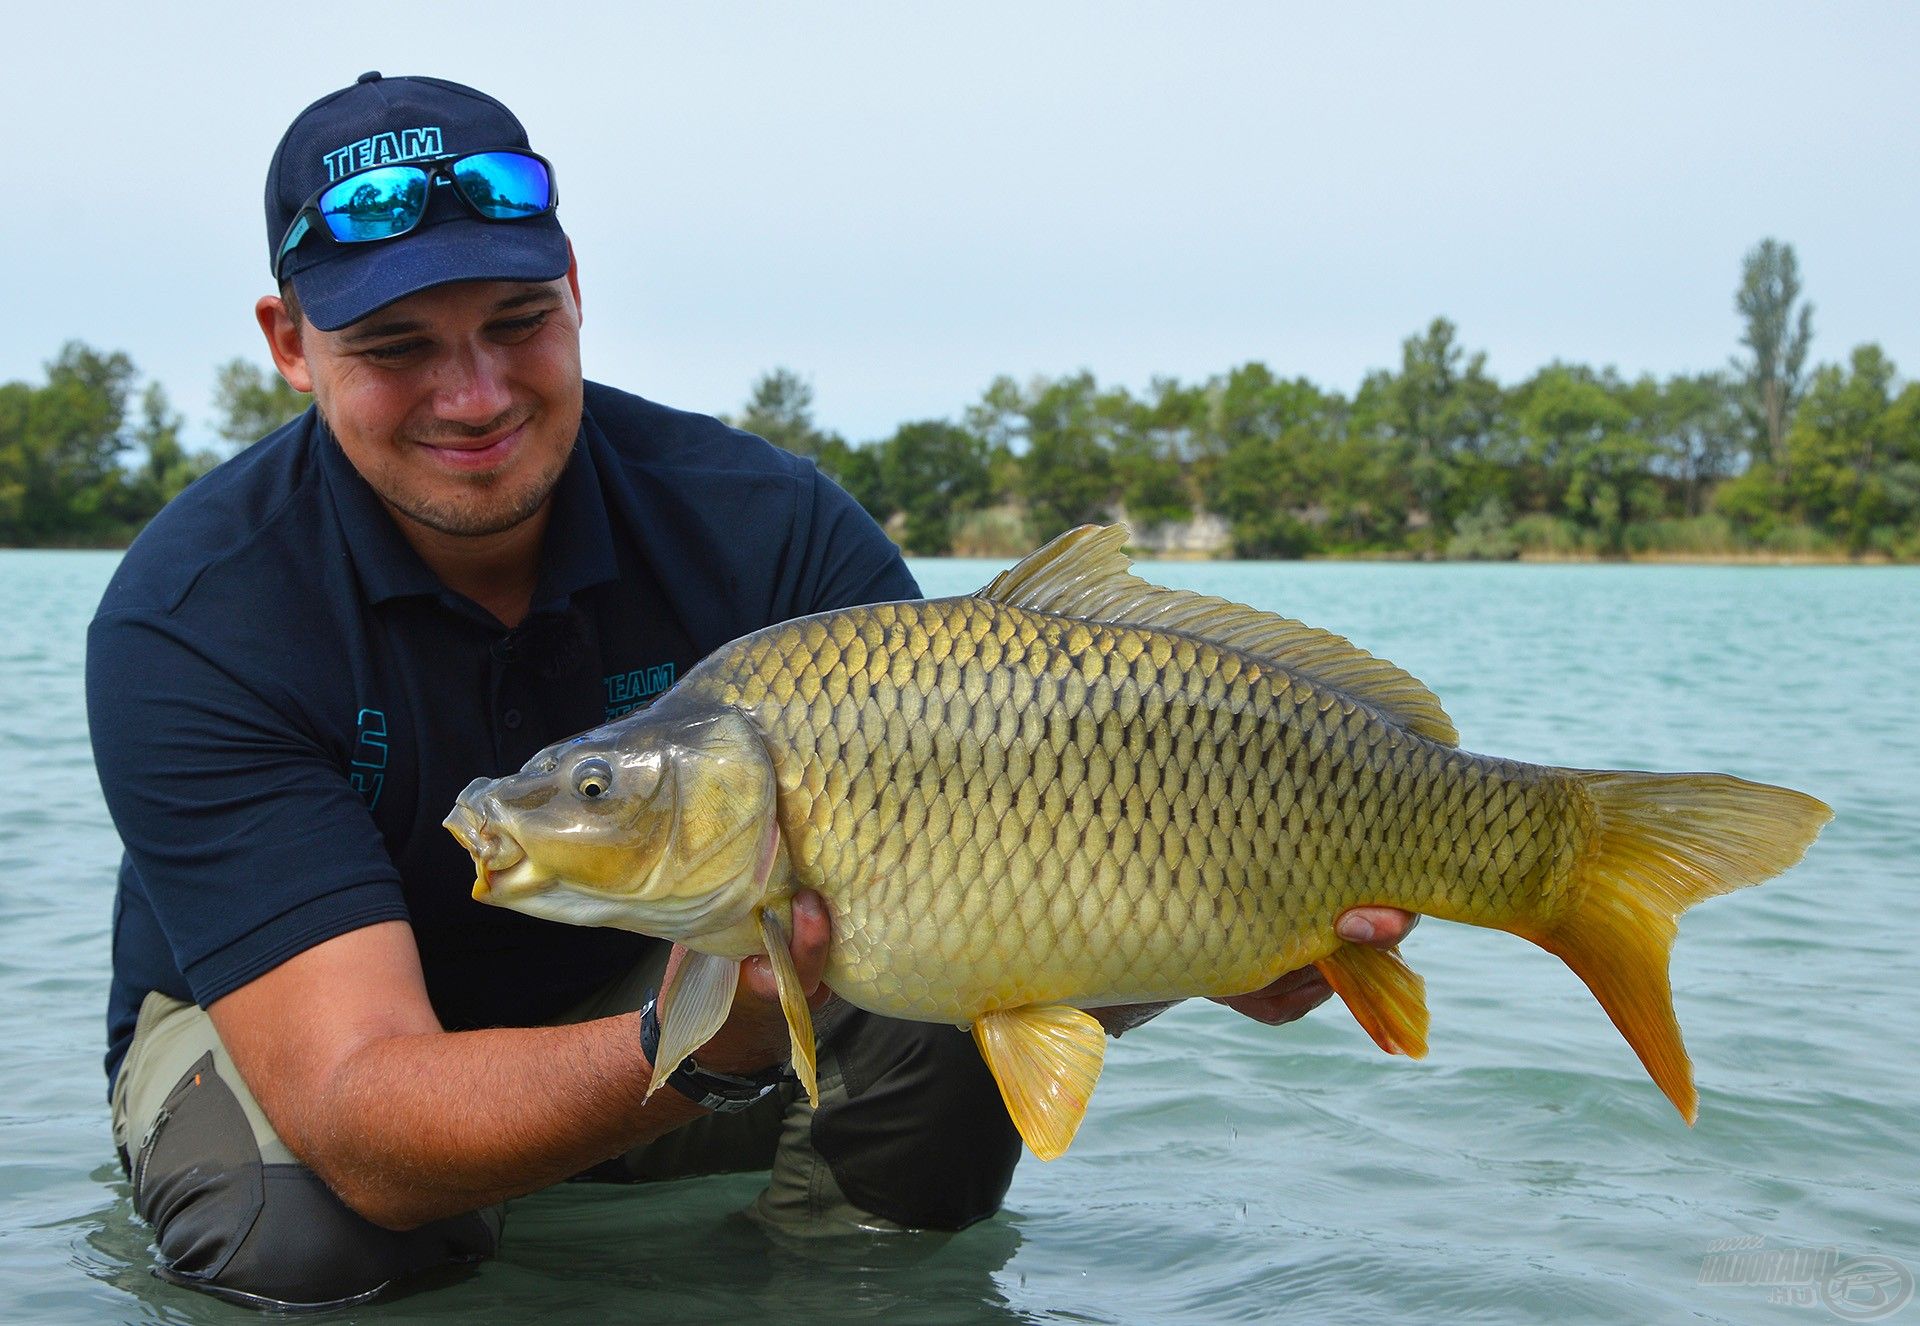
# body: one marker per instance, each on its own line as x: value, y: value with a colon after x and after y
x: 1432, y: 458
x: 83, y: 464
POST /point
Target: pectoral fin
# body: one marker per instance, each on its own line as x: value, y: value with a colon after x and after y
x: 693, y: 1005
x: 1046, y: 1059
x: 1385, y: 995
x: 793, y: 1002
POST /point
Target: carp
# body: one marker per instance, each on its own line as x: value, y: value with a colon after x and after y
x: 1076, y: 789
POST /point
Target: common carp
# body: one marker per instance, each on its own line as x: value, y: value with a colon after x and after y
x: 1075, y: 789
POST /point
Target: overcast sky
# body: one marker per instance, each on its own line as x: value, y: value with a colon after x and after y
x: 900, y: 201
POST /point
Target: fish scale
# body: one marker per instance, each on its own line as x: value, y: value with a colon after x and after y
x: 1250, y: 806
x: 1075, y: 789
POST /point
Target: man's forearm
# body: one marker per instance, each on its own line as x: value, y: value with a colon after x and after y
x: 413, y: 1128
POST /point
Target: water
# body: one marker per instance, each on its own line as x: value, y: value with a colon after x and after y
x: 1230, y: 1172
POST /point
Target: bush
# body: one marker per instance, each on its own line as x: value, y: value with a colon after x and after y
x: 996, y: 531
x: 1691, y: 536
x: 1274, y: 534
x: 1903, y: 545
x: 1484, y: 534
x: 1793, y: 539
x: 1552, y: 536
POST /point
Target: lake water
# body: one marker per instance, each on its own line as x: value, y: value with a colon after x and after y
x: 1526, y: 1171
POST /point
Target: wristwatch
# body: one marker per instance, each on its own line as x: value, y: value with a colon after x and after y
x: 723, y: 1093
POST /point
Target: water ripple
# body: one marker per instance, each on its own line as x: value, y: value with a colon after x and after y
x: 1228, y: 1172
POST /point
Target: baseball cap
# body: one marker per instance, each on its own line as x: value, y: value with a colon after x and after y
x: 382, y: 120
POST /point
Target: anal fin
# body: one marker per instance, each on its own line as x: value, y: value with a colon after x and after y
x: 1385, y: 995
x: 1045, y: 1058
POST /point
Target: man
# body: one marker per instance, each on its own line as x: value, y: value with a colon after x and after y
x: 330, y: 1067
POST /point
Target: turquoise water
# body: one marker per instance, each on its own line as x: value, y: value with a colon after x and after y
x: 1228, y: 1172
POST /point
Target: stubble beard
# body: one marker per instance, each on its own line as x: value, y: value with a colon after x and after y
x: 492, y: 507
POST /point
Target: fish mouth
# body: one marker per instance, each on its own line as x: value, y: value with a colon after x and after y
x: 495, y: 852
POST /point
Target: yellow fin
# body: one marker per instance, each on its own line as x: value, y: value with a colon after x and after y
x: 693, y: 1005
x: 1046, y: 1058
x: 1085, y: 574
x: 792, y: 1002
x: 1385, y: 995
x: 1664, y: 842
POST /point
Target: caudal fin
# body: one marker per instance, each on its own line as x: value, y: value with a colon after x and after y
x: 1664, y: 842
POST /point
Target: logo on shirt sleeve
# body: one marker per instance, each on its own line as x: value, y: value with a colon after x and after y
x: 367, y: 770
x: 628, y: 691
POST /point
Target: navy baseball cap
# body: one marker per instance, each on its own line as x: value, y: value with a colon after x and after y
x: 379, y: 121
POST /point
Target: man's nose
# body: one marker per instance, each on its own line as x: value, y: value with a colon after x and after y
x: 472, y: 388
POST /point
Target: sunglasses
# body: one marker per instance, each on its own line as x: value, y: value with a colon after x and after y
x: 385, y: 202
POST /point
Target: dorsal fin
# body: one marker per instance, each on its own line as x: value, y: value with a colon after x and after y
x: 1085, y: 573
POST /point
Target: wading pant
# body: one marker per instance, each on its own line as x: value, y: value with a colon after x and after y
x: 910, y: 1134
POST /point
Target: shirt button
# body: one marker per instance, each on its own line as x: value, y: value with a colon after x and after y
x: 510, y: 720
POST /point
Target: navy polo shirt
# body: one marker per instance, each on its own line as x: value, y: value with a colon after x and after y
x: 284, y: 701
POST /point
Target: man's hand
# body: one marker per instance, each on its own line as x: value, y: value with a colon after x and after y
x: 754, y: 1035
x: 1300, y: 992
x: 1293, y: 995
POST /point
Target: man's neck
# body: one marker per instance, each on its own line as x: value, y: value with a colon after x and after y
x: 498, y: 571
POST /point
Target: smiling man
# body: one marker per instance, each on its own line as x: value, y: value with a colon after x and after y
x: 330, y: 1068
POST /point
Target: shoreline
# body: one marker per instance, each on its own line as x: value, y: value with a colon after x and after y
x: 1369, y: 558
x: 1546, y: 559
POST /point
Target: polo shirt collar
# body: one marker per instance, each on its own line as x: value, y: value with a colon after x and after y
x: 578, y: 551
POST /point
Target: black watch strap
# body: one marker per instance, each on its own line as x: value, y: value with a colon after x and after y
x: 723, y: 1093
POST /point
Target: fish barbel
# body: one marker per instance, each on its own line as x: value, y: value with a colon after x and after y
x: 1075, y: 789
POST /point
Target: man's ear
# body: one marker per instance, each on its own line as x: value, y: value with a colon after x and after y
x: 573, y: 278
x: 283, y: 341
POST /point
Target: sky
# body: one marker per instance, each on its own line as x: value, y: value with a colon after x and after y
x: 901, y: 201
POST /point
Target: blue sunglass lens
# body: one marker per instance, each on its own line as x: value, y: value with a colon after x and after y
x: 504, y: 186
x: 375, y: 204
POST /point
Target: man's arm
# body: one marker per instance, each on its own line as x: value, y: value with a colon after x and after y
x: 409, y: 1123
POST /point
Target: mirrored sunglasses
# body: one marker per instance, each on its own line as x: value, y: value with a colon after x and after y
x: 386, y: 202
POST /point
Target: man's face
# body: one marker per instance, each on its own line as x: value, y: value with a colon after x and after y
x: 458, y: 405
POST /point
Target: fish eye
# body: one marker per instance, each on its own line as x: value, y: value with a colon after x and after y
x: 592, y: 778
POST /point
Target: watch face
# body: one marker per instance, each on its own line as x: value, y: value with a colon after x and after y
x: 735, y: 1104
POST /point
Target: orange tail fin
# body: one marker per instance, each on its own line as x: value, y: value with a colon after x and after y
x: 1666, y: 841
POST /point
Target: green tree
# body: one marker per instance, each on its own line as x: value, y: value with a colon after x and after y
x: 1264, y: 458
x: 856, y: 469
x: 60, y: 479
x: 780, y: 409
x: 87, y: 394
x: 168, y: 466
x: 1148, y: 439
x: 1436, y: 419
x: 251, y: 402
x: 999, y: 419
x: 1066, y: 473
x: 1899, y: 476
x: 1695, y: 422
x: 1778, y: 333
x: 1851, y: 452
x: 1588, y: 452
x: 16, y: 460
x: 933, y: 472
x: 1266, y: 488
